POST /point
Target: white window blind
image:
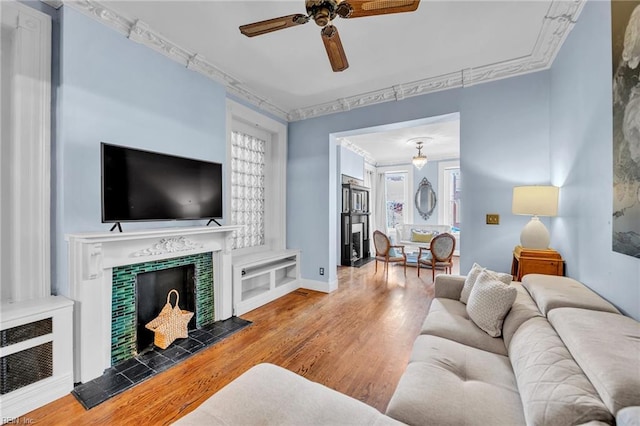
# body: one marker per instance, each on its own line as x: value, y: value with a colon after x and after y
x: 247, y: 189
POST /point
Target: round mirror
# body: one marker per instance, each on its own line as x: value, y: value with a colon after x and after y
x: 425, y: 199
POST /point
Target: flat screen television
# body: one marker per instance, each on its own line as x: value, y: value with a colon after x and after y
x: 141, y: 185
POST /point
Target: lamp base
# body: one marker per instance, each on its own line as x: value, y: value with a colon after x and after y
x: 535, y: 235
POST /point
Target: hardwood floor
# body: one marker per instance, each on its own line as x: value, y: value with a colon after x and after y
x: 356, y: 340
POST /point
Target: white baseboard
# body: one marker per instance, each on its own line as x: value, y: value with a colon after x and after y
x: 324, y: 287
x: 26, y: 399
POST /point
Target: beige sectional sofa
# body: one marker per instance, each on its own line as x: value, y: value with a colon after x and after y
x: 566, y: 357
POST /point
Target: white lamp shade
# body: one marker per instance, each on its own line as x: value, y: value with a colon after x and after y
x: 535, y: 200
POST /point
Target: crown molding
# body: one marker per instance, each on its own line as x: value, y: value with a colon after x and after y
x: 560, y: 19
x: 346, y: 143
x: 142, y: 33
x: 558, y: 23
x: 56, y: 4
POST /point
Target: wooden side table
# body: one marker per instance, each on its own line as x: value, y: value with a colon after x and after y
x: 530, y: 261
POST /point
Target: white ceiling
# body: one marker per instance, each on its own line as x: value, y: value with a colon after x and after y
x: 394, y: 147
x: 288, y: 73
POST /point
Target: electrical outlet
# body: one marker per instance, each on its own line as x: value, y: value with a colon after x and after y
x: 493, y: 219
x: 321, y: 271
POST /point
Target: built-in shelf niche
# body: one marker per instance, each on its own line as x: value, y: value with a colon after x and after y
x: 263, y: 277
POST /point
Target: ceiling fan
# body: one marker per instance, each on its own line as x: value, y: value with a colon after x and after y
x: 323, y: 12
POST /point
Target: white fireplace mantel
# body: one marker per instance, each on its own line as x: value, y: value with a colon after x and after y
x: 92, y: 257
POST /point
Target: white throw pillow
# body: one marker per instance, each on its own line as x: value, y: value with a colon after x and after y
x: 489, y: 302
x: 472, y: 277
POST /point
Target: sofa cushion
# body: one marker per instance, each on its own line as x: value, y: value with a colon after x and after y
x: 607, y: 347
x: 629, y: 416
x: 447, y: 383
x: 522, y: 310
x: 489, y: 302
x: 449, y: 319
x: 472, y: 278
x: 553, y: 388
x: 267, y: 394
x: 550, y: 292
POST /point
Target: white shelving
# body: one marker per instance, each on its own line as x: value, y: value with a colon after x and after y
x: 260, y: 278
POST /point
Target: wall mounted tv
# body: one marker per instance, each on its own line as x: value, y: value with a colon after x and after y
x: 147, y: 186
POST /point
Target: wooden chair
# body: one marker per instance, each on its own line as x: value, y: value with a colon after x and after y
x: 384, y: 252
x: 439, y: 255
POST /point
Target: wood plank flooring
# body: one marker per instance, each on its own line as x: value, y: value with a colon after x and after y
x: 356, y: 340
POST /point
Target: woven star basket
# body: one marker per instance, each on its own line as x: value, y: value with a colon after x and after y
x: 170, y: 324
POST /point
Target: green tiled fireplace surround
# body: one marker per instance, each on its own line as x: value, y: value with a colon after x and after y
x: 123, y: 301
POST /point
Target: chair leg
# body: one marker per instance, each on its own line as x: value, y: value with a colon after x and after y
x: 418, y: 266
x: 405, y: 268
x: 376, y: 271
x: 433, y: 271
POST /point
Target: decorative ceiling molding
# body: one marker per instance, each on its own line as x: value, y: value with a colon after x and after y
x: 56, y: 4
x: 142, y: 33
x: 558, y: 22
x: 346, y: 143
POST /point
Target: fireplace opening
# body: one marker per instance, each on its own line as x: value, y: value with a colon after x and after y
x: 151, y: 296
x: 357, y: 241
x: 357, y: 246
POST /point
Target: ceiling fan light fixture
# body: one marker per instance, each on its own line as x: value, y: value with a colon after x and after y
x: 420, y: 160
x: 323, y: 12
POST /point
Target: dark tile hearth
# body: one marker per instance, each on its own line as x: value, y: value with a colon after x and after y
x: 361, y: 262
x: 129, y: 373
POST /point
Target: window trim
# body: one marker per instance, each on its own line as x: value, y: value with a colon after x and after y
x: 239, y: 117
x: 443, y: 166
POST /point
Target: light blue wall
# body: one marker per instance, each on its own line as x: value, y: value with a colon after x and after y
x: 351, y: 164
x: 581, y: 161
x: 114, y: 90
x: 504, y: 142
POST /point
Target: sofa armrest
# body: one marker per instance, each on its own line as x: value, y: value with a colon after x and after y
x: 449, y: 286
x: 270, y: 395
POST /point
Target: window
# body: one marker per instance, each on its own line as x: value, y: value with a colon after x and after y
x: 452, y: 195
x: 247, y: 189
x: 256, y: 178
x: 396, y: 198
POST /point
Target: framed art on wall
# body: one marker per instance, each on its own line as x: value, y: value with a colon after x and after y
x: 625, y: 39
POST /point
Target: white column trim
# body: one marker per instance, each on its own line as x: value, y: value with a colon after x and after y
x: 26, y: 258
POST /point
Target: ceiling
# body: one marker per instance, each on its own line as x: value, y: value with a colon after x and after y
x: 440, y: 136
x: 390, y: 56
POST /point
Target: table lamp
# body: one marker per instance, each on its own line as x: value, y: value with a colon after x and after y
x: 535, y: 201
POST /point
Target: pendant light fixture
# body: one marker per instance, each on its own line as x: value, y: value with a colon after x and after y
x: 419, y: 160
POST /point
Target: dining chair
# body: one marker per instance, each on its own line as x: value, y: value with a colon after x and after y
x: 439, y: 255
x: 386, y: 252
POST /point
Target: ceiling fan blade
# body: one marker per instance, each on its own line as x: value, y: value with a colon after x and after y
x: 335, y: 51
x: 275, y: 24
x: 362, y: 8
